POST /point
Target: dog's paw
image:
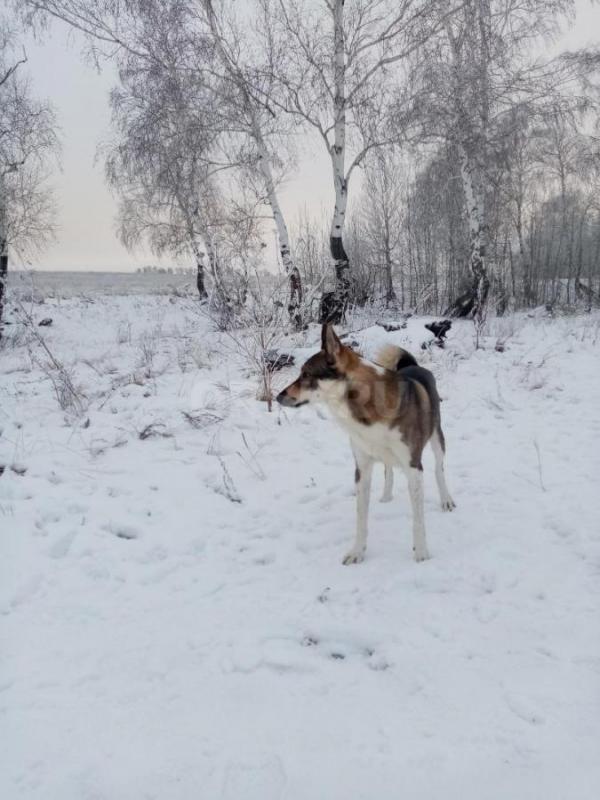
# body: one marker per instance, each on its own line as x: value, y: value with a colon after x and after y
x: 386, y: 497
x: 422, y: 554
x: 448, y: 504
x: 354, y: 557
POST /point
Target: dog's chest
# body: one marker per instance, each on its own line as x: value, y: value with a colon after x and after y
x: 377, y: 440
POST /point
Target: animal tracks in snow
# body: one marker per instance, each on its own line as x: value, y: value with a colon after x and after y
x: 167, y: 642
x: 342, y: 649
x: 305, y: 654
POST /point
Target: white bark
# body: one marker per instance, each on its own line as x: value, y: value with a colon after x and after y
x: 282, y: 232
x: 3, y: 252
x: 475, y: 206
x: 338, y: 155
x: 213, y: 265
x: 474, y: 202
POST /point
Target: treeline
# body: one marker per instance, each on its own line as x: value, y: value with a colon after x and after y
x: 463, y: 167
x: 410, y: 244
x: 154, y: 270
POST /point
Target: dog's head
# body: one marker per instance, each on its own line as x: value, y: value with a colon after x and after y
x: 321, y: 373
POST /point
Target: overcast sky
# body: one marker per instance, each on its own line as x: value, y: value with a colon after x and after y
x: 86, y: 237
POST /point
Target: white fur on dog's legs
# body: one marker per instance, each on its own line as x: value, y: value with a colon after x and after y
x: 438, y: 451
x: 389, y: 484
x: 364, y: 471
x: 415, y: 490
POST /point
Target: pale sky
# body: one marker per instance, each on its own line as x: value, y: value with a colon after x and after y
x: 86, y: 238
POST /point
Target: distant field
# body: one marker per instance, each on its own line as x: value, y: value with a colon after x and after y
x: 74, y: 284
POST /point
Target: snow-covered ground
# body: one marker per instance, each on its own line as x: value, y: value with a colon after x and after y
x: 176, y: 622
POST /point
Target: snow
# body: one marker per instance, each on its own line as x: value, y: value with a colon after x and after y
x: 175, y: 618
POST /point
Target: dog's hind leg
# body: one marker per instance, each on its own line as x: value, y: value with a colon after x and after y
x: 388, y: 485
x: 438, y: 446
x: 415, y: 490
x: 364, y: 471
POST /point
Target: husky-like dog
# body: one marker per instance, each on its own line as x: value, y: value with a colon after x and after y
x: 391, y: 409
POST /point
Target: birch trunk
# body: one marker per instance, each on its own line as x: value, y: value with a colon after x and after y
x: 338, y: 158
x: 471, y: 61
x: 291, y: 270
x: 390, y: 294
x: 524, y: 260
x: 3, y: 276
x: 225, y: 302
x: 200, y: 273
x: 200, y: 283
x: 199, y: 257
x: 3, y: 260
x: 477, y: 228
x: 196, y: 232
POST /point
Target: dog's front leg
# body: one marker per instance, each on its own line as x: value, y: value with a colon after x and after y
x: 364, y: 470
x: 389, y: 484
x: 415, y: 490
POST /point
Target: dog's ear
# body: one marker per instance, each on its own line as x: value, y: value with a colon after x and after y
x: 330, y: 342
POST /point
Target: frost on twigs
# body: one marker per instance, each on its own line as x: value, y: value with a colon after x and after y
x: 250, y: 459
x: 201, y: 419
x: 154, y: 430
x: 226, y: 487
x: 69, y: 396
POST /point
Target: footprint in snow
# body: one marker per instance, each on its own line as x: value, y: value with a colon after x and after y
x: 121, y: 531
x: 60, y: 548
x: 26, y: 591
x: 308, y: 497
x: 264, y: 560
x: 522, y: 707
x: 343, y: 651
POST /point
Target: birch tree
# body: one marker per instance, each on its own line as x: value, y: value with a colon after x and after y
x: 335, y: 66
x: 254, y: 108
x: 569, y: 160
x: 130, y: 28
x: 382, y: 205
x: 27, y: 141
x: 167, y: 157
x: 541, y: 215
x: 470, y: 78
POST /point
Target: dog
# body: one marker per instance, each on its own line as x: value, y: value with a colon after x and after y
x: 391, y: 409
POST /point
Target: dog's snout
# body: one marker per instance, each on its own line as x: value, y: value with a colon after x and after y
x: 284, y: 399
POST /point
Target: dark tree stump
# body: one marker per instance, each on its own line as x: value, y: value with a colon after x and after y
x: 332, y: 308
x: 463, y: 306
x: 200, y: 286
x: 3, y: 276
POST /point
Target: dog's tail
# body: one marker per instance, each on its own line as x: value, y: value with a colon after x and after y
x: 394, y: 358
